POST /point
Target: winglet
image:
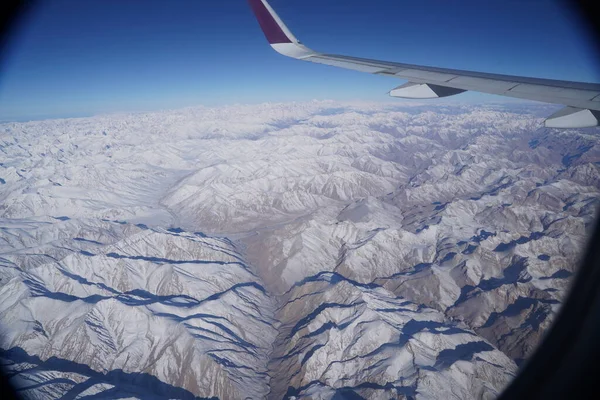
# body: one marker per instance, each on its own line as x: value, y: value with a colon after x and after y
x: 274, y: 29
x: 277, y: 34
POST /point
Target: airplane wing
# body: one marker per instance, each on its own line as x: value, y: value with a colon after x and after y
x: 582, y: 100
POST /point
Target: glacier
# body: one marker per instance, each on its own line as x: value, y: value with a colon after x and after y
x: 319, y: 249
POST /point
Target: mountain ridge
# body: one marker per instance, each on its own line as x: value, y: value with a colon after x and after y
x: 314, y: 249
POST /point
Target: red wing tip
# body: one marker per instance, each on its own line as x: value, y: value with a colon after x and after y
x: 270, y: 27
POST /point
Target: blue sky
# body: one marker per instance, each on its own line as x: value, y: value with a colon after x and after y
x: 76, y: 58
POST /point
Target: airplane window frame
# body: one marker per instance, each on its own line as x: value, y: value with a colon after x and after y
x: 564, y: 361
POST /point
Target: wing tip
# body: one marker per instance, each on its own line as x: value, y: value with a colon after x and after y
x: 275, y: 31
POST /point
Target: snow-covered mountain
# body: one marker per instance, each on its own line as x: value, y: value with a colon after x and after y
x: 309, y: 250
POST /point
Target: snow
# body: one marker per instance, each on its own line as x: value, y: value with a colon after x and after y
x: 299, y: 249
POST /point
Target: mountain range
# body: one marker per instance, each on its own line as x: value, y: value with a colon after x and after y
x: 324, y: 249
